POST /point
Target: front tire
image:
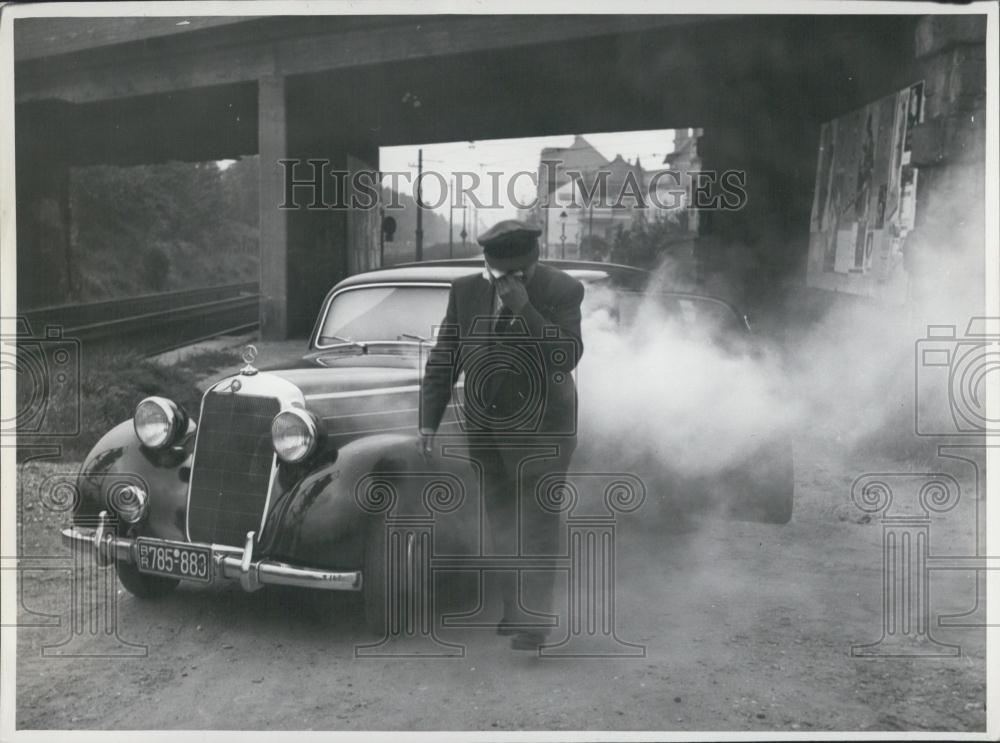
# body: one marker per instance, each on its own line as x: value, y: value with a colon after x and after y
x: 389, y: 585
x: 145, y: 586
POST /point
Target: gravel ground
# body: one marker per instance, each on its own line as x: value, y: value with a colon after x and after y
x: 746, y: 627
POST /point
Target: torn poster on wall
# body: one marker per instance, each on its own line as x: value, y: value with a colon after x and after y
x: 864, y: 200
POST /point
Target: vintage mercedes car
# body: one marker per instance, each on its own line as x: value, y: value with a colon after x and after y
x: 288, y: 476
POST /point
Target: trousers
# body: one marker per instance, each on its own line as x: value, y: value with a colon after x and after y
x: 521, y: 483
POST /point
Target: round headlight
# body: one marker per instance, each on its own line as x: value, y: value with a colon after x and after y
x: 129, y: 502
x: 158, y: 421
x: 294, y: 433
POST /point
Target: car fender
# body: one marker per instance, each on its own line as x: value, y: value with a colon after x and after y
x: 119, y: 458
x: 321, y: 519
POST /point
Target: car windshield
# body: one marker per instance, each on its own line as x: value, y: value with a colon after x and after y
x: 383, y: 313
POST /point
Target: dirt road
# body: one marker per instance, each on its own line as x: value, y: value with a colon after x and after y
x: 744, y: 627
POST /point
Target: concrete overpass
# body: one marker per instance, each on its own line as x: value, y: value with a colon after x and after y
x: 141, y: 90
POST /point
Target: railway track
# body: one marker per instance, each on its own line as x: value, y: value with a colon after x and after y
x: 153, y: 323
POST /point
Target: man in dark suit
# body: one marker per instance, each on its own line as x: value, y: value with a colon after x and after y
x: 514, y: 330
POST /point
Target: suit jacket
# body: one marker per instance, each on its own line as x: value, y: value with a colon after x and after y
x: 517, y: 377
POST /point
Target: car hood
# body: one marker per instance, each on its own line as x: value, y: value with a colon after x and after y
x: 358, y: 399
x: 345, y: 382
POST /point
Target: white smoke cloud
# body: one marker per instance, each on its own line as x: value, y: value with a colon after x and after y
x: 659, y: 388
x: 653, y: 391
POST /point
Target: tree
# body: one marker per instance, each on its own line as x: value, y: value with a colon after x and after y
x: 647, y: 241
x: 163, y: 227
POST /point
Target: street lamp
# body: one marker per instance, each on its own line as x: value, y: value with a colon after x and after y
x: 463, y: 233
x: 562, y: 237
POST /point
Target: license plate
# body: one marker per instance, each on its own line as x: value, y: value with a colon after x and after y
x: 175, y: 559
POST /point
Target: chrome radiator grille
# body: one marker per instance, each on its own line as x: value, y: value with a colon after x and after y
x: 232, y: 467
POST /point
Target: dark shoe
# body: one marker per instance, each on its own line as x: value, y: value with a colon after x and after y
x: 527, y: 640
x: 510, y: 627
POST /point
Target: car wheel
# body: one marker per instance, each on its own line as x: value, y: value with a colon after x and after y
x: 388, y: 585
x: 142, y: 585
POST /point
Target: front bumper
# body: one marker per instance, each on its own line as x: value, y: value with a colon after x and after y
x: 229, y: 563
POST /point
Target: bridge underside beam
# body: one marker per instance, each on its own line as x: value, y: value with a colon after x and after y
x: 284, y: 46
x: 694, y: 74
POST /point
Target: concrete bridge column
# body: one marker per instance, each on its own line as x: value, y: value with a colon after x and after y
x: 272, y: 136
x: 746, y: 254
x: 945, y: 251
x: 308, y: 239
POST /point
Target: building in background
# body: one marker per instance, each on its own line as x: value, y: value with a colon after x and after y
x: 683, y: 160
x: 594, y: 200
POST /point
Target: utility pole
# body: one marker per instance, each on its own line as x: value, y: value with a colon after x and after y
x: 420, y: 205
x: 545, y: 230
x: 381, y: 236
x: 451, y: 219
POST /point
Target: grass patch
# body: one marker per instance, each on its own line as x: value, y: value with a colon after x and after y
x: 105, y: 392
x: 209, y: 362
